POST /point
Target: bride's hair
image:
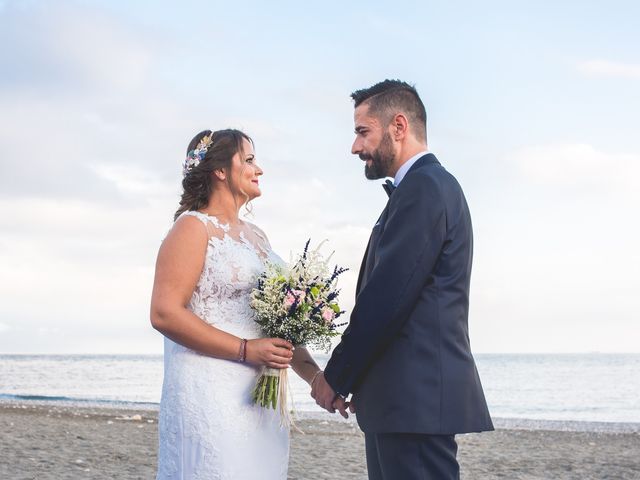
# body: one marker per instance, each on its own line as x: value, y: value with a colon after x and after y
x: 197, y: 184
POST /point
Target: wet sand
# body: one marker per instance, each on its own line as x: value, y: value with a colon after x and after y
x: 64, y: 443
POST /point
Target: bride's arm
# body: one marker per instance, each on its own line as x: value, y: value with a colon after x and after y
x: 178, y: 267
x: 304, y: 365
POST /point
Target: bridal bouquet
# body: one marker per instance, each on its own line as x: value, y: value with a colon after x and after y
x: 297, y: 303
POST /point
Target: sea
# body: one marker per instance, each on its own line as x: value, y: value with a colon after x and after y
x: 561, y: 391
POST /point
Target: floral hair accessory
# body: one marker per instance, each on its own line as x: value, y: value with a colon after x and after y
x: 194, y: 157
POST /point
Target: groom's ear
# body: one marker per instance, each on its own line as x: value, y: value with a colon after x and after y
x: 400, y: 126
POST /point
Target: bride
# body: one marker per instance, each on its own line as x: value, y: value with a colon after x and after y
x: 213, y: 350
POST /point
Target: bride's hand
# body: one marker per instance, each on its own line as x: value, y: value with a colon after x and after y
x: 272, y: 352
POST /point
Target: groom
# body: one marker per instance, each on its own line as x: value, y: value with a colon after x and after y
x: 405, y: 356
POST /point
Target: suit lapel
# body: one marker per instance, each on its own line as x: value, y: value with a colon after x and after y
x: 363, y: 264
x: 367, y: 259
x: 369, y: 254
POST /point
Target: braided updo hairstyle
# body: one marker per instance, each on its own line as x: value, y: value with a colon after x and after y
x: 197, y: 184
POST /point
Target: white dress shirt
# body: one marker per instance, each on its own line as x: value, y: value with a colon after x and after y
x: 402, y: 171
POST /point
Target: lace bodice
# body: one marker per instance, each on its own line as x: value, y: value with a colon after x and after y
x: 232, y: 265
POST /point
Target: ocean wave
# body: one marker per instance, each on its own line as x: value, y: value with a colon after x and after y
x: 75, y: 401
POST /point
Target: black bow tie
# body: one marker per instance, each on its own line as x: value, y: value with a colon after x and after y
x: 389, y: 187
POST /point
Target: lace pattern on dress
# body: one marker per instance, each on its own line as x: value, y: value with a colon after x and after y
x: 231, y: 269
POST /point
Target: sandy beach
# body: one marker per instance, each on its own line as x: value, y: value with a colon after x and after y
x: 53, y: 442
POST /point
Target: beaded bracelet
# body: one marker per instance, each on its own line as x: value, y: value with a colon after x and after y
x: 242, y: 354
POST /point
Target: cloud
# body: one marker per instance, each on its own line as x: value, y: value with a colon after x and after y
x: 65, y: 45
x: 134, y: 179
x: 605, y: 68
x: 96, y: 114
x: 90, y: 173
x: 558, y: 252
x: 579, y: 166
x: 82, y: 108
x: 52, y: 152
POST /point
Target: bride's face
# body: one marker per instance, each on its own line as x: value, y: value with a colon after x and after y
x: 245, y: 171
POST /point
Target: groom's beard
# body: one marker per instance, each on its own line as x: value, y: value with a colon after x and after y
x: 381, y: 159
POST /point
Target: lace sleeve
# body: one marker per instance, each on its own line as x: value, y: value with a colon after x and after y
x: 261, y: 235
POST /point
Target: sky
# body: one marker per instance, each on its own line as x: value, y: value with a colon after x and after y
x: 533, y: 106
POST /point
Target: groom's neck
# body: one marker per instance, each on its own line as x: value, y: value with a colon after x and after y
x: 407, y: 151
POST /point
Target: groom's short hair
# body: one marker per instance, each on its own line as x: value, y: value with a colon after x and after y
x: 387, y: 98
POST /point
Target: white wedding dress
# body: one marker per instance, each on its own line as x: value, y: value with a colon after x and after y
x: 208, y: 427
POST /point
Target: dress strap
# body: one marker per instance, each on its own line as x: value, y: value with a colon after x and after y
x: 211, y: 223
x: 261, y: 241
x: 199, y: 215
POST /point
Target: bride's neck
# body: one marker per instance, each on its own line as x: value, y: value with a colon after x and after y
x: 223, y: 204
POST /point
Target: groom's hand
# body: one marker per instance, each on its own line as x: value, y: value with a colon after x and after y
x: 323, y: 394
x: 341, y: 405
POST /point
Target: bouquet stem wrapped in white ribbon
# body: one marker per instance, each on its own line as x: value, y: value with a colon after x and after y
x: 271, y: 389
x: 299, y: 304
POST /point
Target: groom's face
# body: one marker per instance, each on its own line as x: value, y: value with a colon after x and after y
x: 373, y: 144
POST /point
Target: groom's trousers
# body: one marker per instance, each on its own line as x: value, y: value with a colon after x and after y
x: 410, y: 456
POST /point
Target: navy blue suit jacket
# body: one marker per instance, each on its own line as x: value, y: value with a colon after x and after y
x: 405, y: 354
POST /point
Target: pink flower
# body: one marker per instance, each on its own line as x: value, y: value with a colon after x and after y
x: 328, y: 315
x: 292, y: 296
x: 289, y: 300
